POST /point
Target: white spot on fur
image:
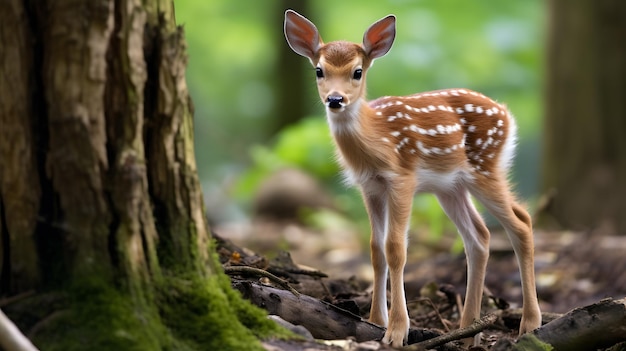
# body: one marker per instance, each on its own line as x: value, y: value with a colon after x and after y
x: 422, y: 148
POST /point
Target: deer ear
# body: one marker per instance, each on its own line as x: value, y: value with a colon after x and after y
x: 301, y: 34
x: 379, y: 37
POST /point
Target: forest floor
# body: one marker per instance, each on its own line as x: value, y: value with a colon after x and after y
x: 573, y: 269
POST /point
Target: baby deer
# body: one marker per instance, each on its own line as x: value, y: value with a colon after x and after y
x: 452, y: 143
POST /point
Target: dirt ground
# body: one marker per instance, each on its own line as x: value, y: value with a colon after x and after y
x: 573, y: 268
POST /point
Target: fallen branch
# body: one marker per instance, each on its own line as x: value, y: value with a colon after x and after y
x: 596, y: 326
x: 458, y: 334
x: 323, y: 320
x: 592, y: 327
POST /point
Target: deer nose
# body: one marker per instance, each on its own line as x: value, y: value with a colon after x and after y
x: 334, y: 101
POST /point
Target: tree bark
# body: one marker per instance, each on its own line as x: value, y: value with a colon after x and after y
x: 74, y: 72
x: 101, y: 209
x: 19, y: 184
x: 585, y: 148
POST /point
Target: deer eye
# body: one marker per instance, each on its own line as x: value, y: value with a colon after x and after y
x: 358, y: 73
x: 319, y: 73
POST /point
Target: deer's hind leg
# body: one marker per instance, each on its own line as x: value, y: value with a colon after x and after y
x: 496, y: 196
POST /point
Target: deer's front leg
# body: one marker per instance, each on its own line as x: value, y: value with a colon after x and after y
x: 400, y: 199
x: 376, y: 204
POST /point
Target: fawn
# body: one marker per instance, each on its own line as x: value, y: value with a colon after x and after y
x: 452, y: 143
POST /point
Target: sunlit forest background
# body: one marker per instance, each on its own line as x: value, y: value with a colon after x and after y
x: 257, y: 111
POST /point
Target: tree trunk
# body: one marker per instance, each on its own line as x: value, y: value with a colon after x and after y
x: 585, y: 148
x: 101, y: 209
x: 294, y: 73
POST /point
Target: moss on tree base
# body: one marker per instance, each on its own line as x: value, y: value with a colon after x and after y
x: 187, y: 313
x: 206, y: 314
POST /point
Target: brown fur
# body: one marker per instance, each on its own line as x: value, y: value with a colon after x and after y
x: 453, y: 142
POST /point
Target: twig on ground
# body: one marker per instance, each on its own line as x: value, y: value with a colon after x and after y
x: 430, y: 316
x: 11, y: 299
x: 436, y: 312
x: 458, y: 334
x: 309, y: 272
x: 255, y: 271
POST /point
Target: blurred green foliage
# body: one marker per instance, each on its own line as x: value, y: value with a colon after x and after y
x: 306, y: 145
x: 495, y: 47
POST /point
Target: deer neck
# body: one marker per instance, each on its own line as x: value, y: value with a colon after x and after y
x: 356, y: 140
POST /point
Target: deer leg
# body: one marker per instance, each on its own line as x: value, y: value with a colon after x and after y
x: 399, y: 201
x: 460, y: 209
x: 376, y: 206
x: 518, y: 226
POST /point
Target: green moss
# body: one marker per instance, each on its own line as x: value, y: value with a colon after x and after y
x: 208, y: 315
x: 179, y: 311
x: 529, y: 342
x: 98, y: 317
x: 187, y: 314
